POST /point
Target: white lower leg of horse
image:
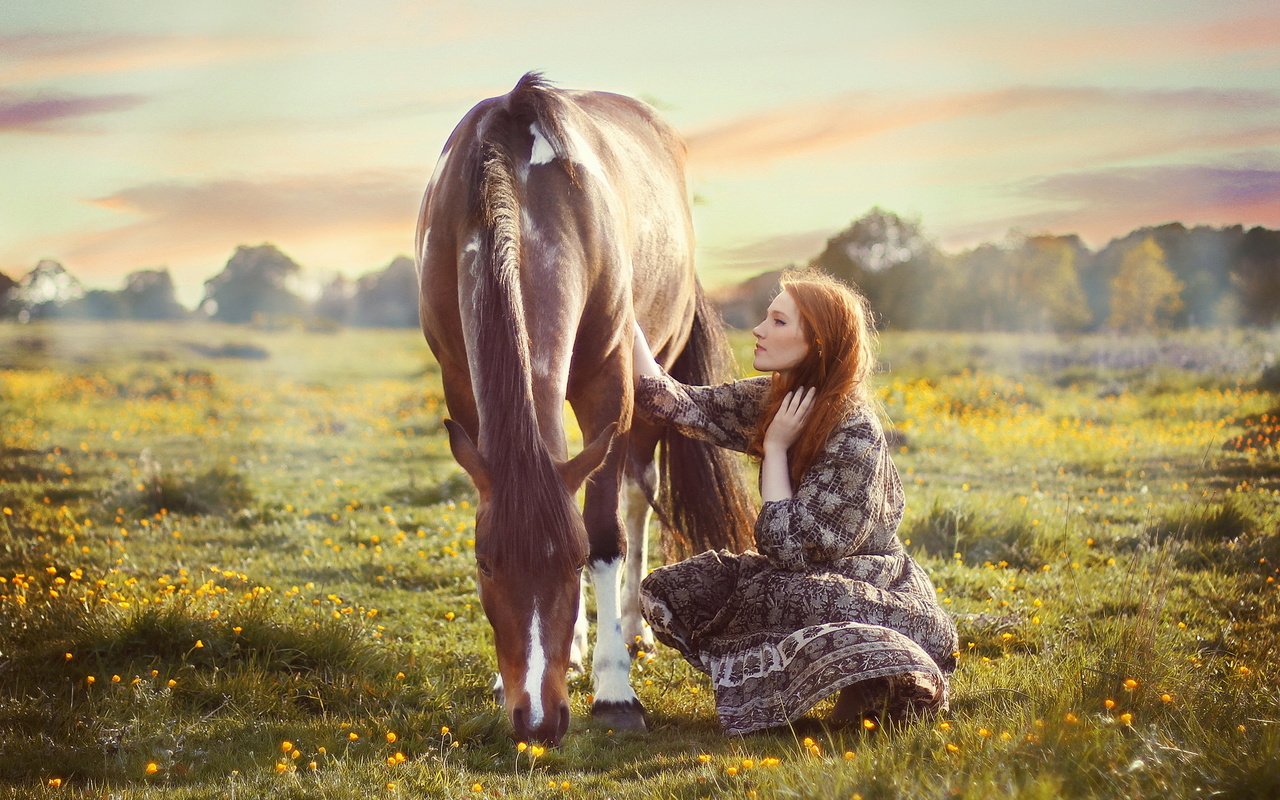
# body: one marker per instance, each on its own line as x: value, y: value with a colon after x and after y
x: 578, y: 650
x: 634, y: 632
x: 610, y: 663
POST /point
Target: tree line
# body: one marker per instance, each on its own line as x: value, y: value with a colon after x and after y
x: 257, y: 285
x: 1151, y: 279
x: 1157, y: 278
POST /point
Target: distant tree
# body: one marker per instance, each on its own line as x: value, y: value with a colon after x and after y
x: 889, y: 259
x: 1145, y: 294
x: 1256, y: 277
x: 388, y: 298
x: 6, y: 283
x: 336, y: 301
x: 46, y: 291
x: 1050, y: 293
x: 255, y: 281
x: 149, y: 294
x: 98, y: 304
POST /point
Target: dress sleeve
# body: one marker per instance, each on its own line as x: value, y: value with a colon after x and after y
x: 838, y: 506
x: 724, y: 415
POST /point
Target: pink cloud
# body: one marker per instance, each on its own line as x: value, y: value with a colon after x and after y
x: 845, y: 120
x: 326, y: 217
x: 44, y: 113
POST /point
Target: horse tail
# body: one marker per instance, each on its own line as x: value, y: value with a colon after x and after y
x: 703, y: 496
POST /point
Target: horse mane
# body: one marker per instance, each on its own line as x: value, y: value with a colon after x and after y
x: 529, y: 495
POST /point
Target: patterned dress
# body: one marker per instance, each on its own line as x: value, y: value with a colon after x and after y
x: 830, y: 600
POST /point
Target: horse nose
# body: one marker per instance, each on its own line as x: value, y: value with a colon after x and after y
x: 551, y: 729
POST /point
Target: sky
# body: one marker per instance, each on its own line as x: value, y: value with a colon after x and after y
x: 145, y: 134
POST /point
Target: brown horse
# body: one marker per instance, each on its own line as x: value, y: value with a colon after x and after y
x: 553, y: 220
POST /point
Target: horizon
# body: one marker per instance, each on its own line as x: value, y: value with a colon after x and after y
x: 166, y: 137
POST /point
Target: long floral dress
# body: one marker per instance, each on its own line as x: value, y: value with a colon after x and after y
x: 830, y: 600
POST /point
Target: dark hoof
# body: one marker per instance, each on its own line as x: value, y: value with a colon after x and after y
x: 618, y: 716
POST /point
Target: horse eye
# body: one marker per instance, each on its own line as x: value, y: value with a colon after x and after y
x: 483, y: 566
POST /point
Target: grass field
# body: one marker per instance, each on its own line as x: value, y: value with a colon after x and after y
x: 237, y: 563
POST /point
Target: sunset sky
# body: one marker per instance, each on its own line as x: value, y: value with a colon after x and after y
x: 167, y: 133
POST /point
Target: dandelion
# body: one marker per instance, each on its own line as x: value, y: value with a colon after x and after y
x: 391, y: 737
x: 748, y: 763
x: 313, y: 766
x: 984, y: 733
x: 1109, y: 703
x: 538, y: 750
x: 90, y: 680
x: 152, y: 768
x: 1130, y: 684
x: 448, y: 615
x: 115, y: 678
x: 351, y: 737
x: 55, y: 783
x: 951, y: 748
x: 1240, y: 728
x: 703, y: 758
x: 281, y: 766
x: 199, y: 644
x: 475, y: 787
x: 286, y: 746
x: 444, y: 730
x: 869, y: 724
x: 522, y: 746
x: 1126, y: 719
x: 848, y: 755
x: 67, y: 656
x: 731, y: 772
x: 391, y: 787
x: 1243, y: 670
x: 1166, y: 698
x: 172, y: 683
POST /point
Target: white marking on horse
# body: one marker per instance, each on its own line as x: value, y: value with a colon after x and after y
x: 435, y: 175
x: 581, y: 153
x: 578, y: 650
x: 611, y: 663
x: 542, y: 152
x: 537, y: 668
x: 426, y: 237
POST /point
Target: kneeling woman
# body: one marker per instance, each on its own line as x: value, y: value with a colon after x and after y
x: 830, y: 601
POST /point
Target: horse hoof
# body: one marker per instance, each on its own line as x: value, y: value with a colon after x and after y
x: 627, y: 716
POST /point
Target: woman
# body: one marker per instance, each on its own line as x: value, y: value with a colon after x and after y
x: 830, y: 601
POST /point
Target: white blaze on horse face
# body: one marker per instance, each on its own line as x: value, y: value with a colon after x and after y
x: 611, y: 663
x: 542, y: 152
x: 536, y: 669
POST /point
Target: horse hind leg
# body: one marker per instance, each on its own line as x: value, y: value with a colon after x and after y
x: 637, y: 635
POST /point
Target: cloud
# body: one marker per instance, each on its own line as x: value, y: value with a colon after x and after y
x: 45, y: 113
x: 1102, y: 204
x: 771, y: 252
x: 845, y: 120
x: 194, y: 221
x: 39, y: 56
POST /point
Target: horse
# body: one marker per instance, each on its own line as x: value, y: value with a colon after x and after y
x: 556, y: 220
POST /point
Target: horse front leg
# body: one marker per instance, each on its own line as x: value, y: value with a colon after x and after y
x: 635, y: 633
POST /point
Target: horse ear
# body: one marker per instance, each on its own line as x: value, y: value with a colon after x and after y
x: 468, y: 457
x: 576, y: 470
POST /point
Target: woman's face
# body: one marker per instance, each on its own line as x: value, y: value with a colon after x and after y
x: 780, y: 344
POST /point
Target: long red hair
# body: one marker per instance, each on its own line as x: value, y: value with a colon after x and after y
x: 841, y: 336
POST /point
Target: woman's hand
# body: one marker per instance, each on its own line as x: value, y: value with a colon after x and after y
x: 643, y: 362
x: 787, y: 424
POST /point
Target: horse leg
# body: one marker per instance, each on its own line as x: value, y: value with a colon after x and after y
x: 581, y: 636
x: 635, y: 633
x: 615, y: 704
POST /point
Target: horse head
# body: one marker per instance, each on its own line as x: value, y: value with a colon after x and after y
x: 531, y: 546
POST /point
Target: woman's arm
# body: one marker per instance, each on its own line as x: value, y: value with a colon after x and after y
x: 775, y: 475
x: 837, y: 507
x: 724, y: 415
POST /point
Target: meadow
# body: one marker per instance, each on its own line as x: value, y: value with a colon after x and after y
x: 238, y: 563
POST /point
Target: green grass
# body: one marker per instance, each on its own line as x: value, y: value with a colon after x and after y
x: 279, y: 550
